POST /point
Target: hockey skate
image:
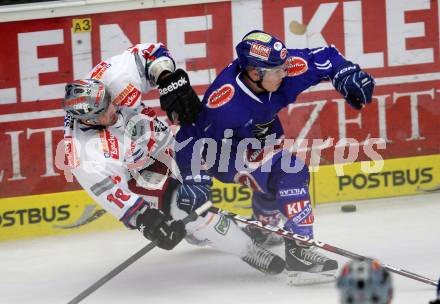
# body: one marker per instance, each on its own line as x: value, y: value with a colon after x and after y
x: 263, y: 260
x: 263, y: 237
x: 305, y: 265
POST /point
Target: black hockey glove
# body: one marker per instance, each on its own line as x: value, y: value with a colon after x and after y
x: 354, y: 84
x: 157, y: 226
x: 177, y: 96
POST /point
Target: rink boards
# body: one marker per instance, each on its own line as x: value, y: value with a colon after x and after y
x: 358, y: 181
x: 47, y: 46
x: 75, y: 211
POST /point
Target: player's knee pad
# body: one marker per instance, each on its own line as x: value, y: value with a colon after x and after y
x: 217, y: 231
x: 293, y: 197
x: 265, y: 208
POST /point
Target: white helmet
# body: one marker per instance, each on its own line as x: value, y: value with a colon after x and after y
x: 86, y: 99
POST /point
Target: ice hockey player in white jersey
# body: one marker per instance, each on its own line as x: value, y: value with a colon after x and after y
x: 110, y: 137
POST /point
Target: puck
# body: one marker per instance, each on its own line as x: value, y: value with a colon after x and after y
x: 348, y: 208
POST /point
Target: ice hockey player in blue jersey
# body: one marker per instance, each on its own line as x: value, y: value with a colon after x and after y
x: 238, y: 138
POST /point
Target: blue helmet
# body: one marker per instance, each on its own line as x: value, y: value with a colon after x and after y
x: 261, y: 50
x: 365, y: 282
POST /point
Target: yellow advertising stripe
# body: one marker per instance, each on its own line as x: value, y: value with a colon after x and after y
x: 232, y: 197
x: 402, y: 176
x: 75, y: 211
x: 52, y: 214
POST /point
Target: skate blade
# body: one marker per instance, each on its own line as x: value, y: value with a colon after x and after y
x: 300, y: 278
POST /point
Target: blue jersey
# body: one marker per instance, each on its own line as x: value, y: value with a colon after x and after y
x: 230, y: 104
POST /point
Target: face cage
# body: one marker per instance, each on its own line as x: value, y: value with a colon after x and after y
x: 93, y: 121
x: 96, y: 120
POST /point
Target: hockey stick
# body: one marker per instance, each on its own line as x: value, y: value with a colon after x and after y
x: 291, y: 236
x: 190, y: 218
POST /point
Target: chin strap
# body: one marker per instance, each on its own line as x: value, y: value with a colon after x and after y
x: 258, y: 82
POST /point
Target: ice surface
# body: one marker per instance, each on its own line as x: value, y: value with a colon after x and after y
x: 403, y: 232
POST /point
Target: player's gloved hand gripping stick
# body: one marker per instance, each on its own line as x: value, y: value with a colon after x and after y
x: 190, y: 218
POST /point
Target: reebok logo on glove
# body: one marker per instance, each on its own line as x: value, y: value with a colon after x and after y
x: 173, y: 86
x: 178, y: 97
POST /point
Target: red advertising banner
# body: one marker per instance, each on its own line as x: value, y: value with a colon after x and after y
x: 40, y: 56
x: 396, y: 41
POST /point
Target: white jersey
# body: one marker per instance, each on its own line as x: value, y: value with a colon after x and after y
x: 104, y: 159
x: 124, y: 75
x: 101, y: 159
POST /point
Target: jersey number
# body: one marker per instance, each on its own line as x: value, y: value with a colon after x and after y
x: 118, y: 198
